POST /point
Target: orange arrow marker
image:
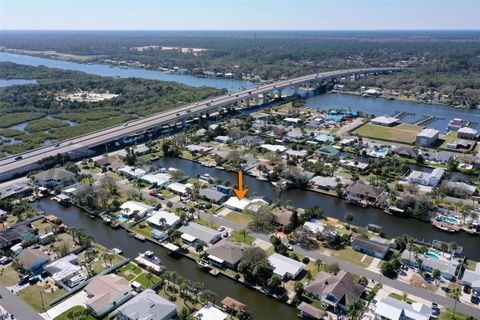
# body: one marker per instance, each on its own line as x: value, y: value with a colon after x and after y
x: 240, y: 192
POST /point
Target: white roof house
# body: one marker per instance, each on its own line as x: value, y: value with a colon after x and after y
x: 131, y: 206
x: 314, y: 226
x: 234, y: 203
x: 161, y: 179
x: 431, y: 179
x: 193, y: 231
x: 285, y: 267
x: 63, y: 268
x: 273, y: 147
x: 393, y: 309
x: 292, y: 120
x: 170, y: 219
x: 209, y: 312
x: 385, y: 121
x: 132, y: 172
x: 179, y: 188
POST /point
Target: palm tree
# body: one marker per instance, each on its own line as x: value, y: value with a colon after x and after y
x: 318, y: 263
x: 163, y: 221
x: 244, y: 232
x: 354, y: 309
x: 455, y: 295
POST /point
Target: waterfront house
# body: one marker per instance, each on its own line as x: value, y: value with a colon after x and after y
x: 180, y: 188
x: 64, y: 268
x: 461, y: 187
x: 147, y: 305
x: 438, y: 156
x: 19, y: 232
x: 159, y: 179
x: 385, y: 121
x: 106, y: 293
x: 15, y: 190
x: 285, y: 267
x: 111, y: 163
x: 212, y: 195
x: 364, y: 191
x: 431, y: 179
x: 307, y: 311
x: 370, y: 247
x: 223, y: 189
x: 337, y: 291
x: 327, y: 183
x: 235, y: 204
x: 194, y: 232
x: 472, y: 278
x: 32, y: 259
x: 163, y: 220
x: 390, y: 308
x: 53, y: 177
x: 225, y: 254
x: 199, y: 149
x: 407, y: 152
x: 209, y: 312
x: 130, y: 172
x: 131, y: 207
x: 427, y: 137
x: 430, y: 262
x: 467, y: 133
x: 231, y: 305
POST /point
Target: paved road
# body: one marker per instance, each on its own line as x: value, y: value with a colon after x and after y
x: 16, y: 306
x: 397, y: 284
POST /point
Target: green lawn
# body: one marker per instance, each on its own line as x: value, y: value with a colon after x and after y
x: 77, y: 312
x: 239, y: 218
x: 237, y: 236
x: 401, y: 297
x: 129, y: 271
x: 352, y: 256
x: 187, y: 155
x: 143, y: 280
x: 33, y: 295
x: 142, y: 228
x: 448, y: 315
x: 210, y: 223
x: 403, y: 132
x: 8, y: 276
x: 471, y: 264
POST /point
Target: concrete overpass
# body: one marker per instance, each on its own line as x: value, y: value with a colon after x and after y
x: 11, y: 166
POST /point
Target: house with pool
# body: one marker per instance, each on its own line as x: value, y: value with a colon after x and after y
x: 432, y: 260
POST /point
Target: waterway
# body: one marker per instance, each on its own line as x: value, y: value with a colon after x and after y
x: 15, y: 82
x: 261, y: 306
x: 379, y: 107
x: 334, y: 207
x: 112, y: 71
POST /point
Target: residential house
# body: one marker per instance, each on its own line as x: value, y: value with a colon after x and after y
x: 209, y: 312
x: 390, y: 308
x: 324, y: 138
x: 105, y: 293
x: 461, y: 187
x: 147, y: 305
x: 163, y: 220
x: 16, y: 190
x: 194, y: 232
x: 447, y: 269
x: 308, y: 311
x: 431, y: 179
x: 385, y: 121
x: 327, y: 183
x: 427, y: 137
x: 130, y: 172
x: 199, y: 149
x: 53, y: 177
x: 274, y: 148
x: 281, y: 216
x: 159, y: 179
x: 361, y: 190
x: 32, y: 259
x: 285, y: 267
x: 222, y: 139
x: 467, y: 133
x: 354, y: 165
x: 180, y: 188
x: 233, y: 203
x: 250, y: 141
x: 337, y: 291
x: 370, y: 247
x: 212, y: 195
x: 64, y: 268
x: 225, y: 254
x: 19, y: 232
x: 407, y: 152
x: 294, y: 135
x: 296, y: 154
x: 327, y: 152
x: 131, y: 207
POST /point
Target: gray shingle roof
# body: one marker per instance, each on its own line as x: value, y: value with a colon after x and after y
x: 148, y: 305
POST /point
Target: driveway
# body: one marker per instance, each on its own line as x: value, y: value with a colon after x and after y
x: 77, y: 300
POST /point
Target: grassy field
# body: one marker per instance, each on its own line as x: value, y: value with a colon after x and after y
x: 401, y: 298
x: 33, y: 295
x: 403, y: 132
x: 129, y: 271
x: 352, y: 256
x: 237, y: 236
x: 448, y: 315
x: 142, y: 228
x: 74, y: 310
x: 8, y: 276
x: 239, y: 218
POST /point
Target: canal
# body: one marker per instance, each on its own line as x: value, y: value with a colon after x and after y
x: 392, y: 226
x: 260, y: 306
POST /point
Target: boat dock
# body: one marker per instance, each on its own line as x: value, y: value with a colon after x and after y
x: 425, y: 120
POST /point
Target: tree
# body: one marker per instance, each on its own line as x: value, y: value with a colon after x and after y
x: 355, y: 309
x: 454, y: 294
x: 244, y: 232
x: 318, y: 263
x: 388, y: 269
x: 175, y: 235
x: 436, y: 274
x: 262, y: 217
x: 348, y: 218
x: 208, y: 296
x: 274, y: 283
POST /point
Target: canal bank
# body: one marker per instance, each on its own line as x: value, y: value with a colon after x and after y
x: 260, y: 306
x: 391, y: 225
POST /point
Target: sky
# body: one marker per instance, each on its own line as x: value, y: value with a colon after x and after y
x: 239, y: 15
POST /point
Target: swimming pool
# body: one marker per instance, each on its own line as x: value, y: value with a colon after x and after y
x: 432, y: 255
x: 122, y: 219
x: 450, y: 220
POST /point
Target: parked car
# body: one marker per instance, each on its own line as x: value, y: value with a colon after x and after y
x: 5, y: 260
x: 474, y: 299
x: 33, y: 279
x: 221, y: 228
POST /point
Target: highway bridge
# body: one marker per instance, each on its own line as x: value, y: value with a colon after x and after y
x: 15, y: 165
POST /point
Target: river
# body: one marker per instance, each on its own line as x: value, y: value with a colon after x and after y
x: 260, y: 306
